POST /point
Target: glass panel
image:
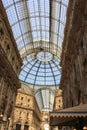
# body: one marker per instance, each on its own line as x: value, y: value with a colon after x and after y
x: 24, y: 27
x: 16, y: 30
x: 7, y: 3
x: 65, y: 2
x: 12, y: 15
x: 21, y: 12
x: 63, y: 13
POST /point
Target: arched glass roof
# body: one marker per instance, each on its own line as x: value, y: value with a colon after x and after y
x: 41, y: 69
x: 38, y: 29
x: 37, y: 24
x: 46, y: 104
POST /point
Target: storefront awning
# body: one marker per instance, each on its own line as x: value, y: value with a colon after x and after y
x: 69, y: 116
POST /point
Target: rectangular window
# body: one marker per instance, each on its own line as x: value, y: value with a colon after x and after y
x: 20, y: 114
x: 27, y: 115
x: 18, y: 127
x: 28, y: 100
x: 21, y: 98
x: 26, y: 127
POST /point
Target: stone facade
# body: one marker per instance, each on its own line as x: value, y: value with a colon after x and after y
x: 58, y: 100
x: 74, y: 55
x: 10, y: 66
x: 26, y: 115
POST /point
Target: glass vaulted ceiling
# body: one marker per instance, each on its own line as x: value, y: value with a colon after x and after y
x: 46, y: 104
x: 38, y: 28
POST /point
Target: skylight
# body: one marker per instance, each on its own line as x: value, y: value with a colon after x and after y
x: 38, y: 29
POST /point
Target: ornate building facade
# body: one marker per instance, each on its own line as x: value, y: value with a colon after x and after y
x: 74, y: 55
x: 10, y: 66
x: 26, y: 115
x: 58, y: 100
x: 74, y: 69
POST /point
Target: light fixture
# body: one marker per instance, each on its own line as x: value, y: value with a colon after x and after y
x: 85, y: 128
x: 46, y: 117
x: 9, y: 118
x: 1, y: 115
